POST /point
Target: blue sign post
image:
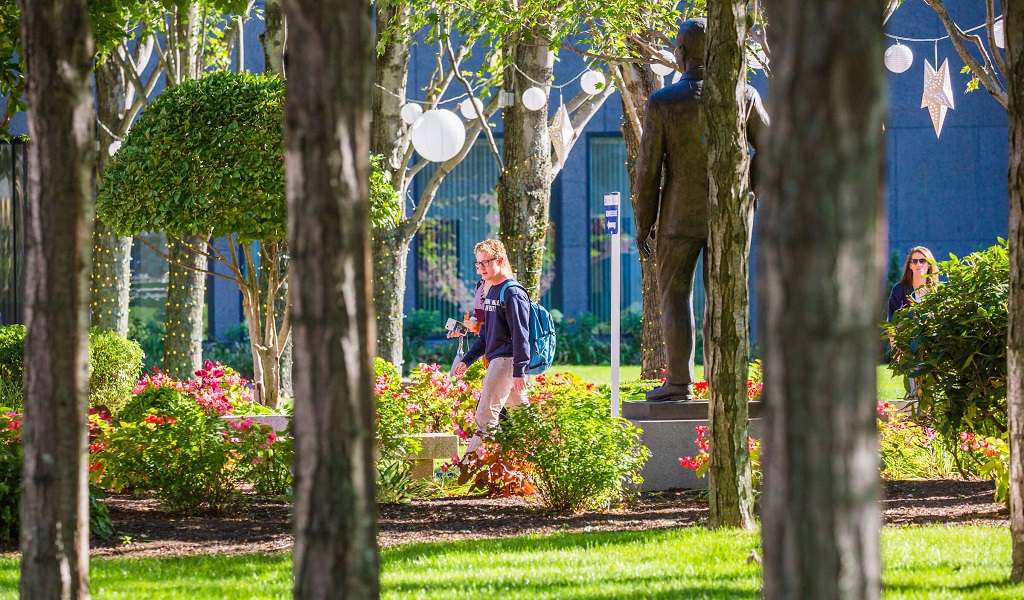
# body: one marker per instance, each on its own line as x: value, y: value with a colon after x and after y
x: 611, y: 227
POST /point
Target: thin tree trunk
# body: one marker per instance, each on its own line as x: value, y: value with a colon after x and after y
x: 1013, y: 14
x: 273, y: 37
x: 524, y: 188
x: 111, y: 269
x: 186, y: 297
x: 58, y: 46
x: 639, y: 85
x: 327, y: 169
x: 390, y: 261
x: 730, y: 214
x: 819, y: 284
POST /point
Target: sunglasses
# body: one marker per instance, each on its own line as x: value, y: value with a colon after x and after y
x: 919, y: 261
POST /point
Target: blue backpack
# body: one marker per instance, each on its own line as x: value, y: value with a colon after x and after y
x: 542, y: 333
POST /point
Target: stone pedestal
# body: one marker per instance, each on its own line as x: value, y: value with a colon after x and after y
x: 669, y: 432
x: 440, y: 446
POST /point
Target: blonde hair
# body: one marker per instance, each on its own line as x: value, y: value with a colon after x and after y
x: 495, y: 249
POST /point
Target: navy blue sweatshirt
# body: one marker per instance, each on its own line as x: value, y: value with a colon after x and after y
x: 506, y: 329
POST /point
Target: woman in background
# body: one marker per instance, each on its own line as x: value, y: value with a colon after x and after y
x: 920, y: 276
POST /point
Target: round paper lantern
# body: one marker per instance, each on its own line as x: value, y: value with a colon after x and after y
x: 438, y: 135
x: 898, y: 58
x: 999, y: 34
x: 114, y: 147
x: 534, y: 98
x: 466, y: 107
x: 592, y: 82
x: 660, y: 69
x: 410, y: 112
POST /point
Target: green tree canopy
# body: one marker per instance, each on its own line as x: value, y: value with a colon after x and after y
x: 205, y: 158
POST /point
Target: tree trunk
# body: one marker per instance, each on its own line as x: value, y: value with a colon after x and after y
x: 186, y: 291
x: 112, y: 254
x: 273, y: 37
x: 390, y: 260
x: 819, y: 285
x: 58, y: 47
x: 524, y: 188
x: 639, y: 85
x: 327, y: 170
x: 1013, y: 14
x: 268, y: 321
x: 730, y: 214
x: 390, y: 248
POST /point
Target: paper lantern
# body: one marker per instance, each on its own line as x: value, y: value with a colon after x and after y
x: 410, y: 112
x: 114, y: 147
x: 466, y: 108
x: 438, y: 135
x: 898, y: 58
x: 534, y: 98
x: 660, y: 69
x: 592, y: 82
x: 999, y: 34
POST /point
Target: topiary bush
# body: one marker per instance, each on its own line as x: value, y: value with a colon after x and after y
x: 577, y: 455
x: 953, y: 343
x: 114, y: 364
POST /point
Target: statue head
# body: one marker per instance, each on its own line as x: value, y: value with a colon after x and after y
x: 690, y: 43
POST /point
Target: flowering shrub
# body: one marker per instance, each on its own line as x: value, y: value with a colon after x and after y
x: 909, y: 450
x: 577, y: 455
x: 438, y: 404
x: 992, y: 457
x: 10, y: 480
x: 701, y: 462
x: 216, y: 388
x: 393, y: 421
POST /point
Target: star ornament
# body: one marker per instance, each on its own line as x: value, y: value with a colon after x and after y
x: 938, y: 93
x: 562, y: 134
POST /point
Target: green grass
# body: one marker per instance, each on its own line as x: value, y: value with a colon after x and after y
x: 919, y: 562
x: 890, y: 387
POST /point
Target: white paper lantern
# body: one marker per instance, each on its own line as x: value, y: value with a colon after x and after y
x: 592, y: 82
x: 999, y: 34
x: 410, y: 112
x: 660, y: 69
x: 534, y: 98
x: 438, y: 135
x: 898, y: 58
x: 466, y: 108
x: 114, y: 147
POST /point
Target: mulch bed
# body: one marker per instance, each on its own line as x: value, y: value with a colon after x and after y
x: 145, y: 530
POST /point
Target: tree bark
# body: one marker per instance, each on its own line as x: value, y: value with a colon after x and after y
x: 638, y: 85
x: 57, y: 37
x: 730, y: 214
x: 186, y: 297
x: 390, y: 248
x: 111, y: 269
x: 273, y: 37
x: 327, y: 171
x: 524, y: 188
x: 819, y: 284
x: 1013, y: 13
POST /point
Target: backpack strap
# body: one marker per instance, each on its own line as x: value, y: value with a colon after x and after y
x: 508, y: 283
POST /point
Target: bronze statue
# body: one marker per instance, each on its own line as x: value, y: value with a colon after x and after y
x: 672, y: 200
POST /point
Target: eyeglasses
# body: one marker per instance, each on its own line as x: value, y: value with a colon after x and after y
x: 482, y: 264
x: 919, y: 261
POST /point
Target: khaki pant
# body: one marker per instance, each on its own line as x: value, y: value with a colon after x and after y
x: 496, y: 392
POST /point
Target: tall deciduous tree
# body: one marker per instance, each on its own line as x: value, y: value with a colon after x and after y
x: 725, y: 106
x: 327, y: 143
x: 1014, y: 31
x: 819, y: 281
x: 57, y: 36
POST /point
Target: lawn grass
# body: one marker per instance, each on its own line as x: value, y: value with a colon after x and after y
x: 920, y: 562
x: 890, y: 387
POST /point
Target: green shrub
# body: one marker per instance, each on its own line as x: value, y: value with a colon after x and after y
x: 577, y: 454
x: 577, y: 341
x: 150, y: 336
x: 953, y: 342
x: 115, y: 363
x: 393, y: 422
x: 164, y: 400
